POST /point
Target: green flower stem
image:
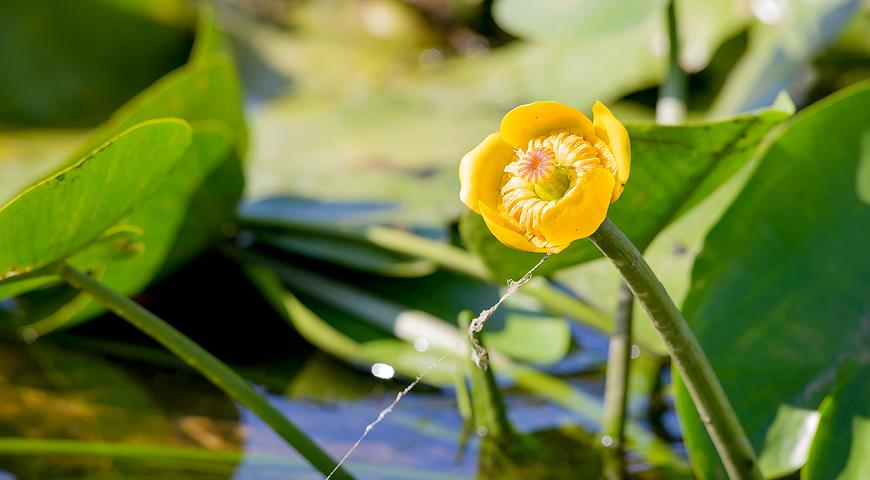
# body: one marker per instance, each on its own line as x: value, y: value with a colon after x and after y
x: 686, y: 354
x: 487, y: 401
x: 616, y: 384
x: 670, y: 110
x: 213, y: 369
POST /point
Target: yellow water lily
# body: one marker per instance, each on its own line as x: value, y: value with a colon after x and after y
x: 548, y: 176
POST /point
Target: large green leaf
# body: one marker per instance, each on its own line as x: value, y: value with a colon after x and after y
x: 67, y: 211
x: 206, y: 89
x: 28, y: 156
x: 673, y: 168
x: 72, y: 63
x: 198, y: 197
x: 779, y: 294
x: 130, y: 256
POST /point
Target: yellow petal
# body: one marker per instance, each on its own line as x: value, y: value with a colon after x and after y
x: 505, y: 232
x: 542, y: 118
x: 581, y: 211
x: 613, y: 132
x: 481, y: 170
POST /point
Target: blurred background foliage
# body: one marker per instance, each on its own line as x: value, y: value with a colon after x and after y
x: 317, y: 211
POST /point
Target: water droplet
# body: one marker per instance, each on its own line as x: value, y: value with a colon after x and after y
x: 482, y: 431
x: 607, y: 440
x: 635, y: 351
x: 382, y: 370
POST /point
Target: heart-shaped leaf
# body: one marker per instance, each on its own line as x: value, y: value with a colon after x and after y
x: 779, y: 294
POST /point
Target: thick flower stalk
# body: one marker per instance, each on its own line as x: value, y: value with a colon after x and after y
x: 548, y: 176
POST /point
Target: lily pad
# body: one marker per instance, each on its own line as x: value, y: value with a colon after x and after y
x: 785, y: 261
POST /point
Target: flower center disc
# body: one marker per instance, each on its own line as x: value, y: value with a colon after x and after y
x: 537, y: 165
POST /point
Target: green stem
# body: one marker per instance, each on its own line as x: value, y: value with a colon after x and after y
x: 213, y: 369
x: 671, y: 106
x: 686, y: 354
x: 447, y: 256
x: 616, y: 384
x: 671, y: 109
x: 487, y: 401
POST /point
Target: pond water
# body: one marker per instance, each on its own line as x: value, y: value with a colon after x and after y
x: 101, y: 401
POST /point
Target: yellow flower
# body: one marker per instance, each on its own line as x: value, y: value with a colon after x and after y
x: 547, y: 177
